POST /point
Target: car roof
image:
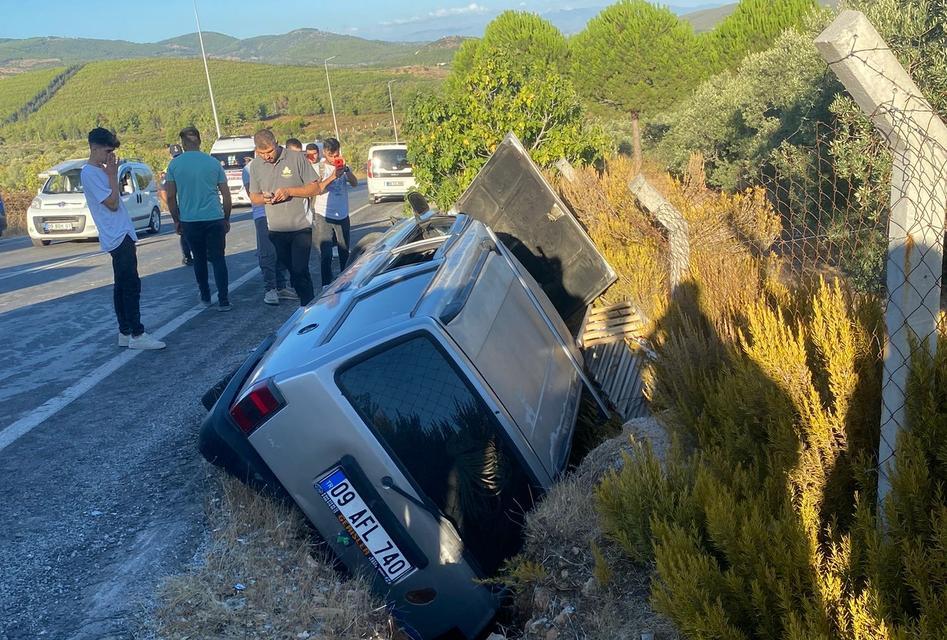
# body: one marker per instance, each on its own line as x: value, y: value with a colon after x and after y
x: 77, y: 163
x: 373, y: 293
x: 386, y: 145
x: 234, y: 143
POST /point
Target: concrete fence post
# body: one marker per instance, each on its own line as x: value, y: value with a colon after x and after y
x: 671, y: 221
x: 918, y: 142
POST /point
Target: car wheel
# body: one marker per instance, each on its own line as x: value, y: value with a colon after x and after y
x: 40, y: 243
x: 154, y: 224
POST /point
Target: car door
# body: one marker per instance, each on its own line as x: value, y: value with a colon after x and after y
x: 510, y: 196
x: 148, y: 190
x: 130, y: 195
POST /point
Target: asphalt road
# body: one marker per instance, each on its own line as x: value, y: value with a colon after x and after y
x: 101, y: 485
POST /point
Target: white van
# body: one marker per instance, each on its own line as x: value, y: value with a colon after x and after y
x: 59, y: 210
x: 389, y: 173
x: 231, y: 153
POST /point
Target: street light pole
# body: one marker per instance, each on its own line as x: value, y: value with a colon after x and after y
x: 394, y: 124
x: 331, y: 103
x: 210, y: 89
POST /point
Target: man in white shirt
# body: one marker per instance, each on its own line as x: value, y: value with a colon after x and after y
x: 331, y: 225
x: 99, y: 178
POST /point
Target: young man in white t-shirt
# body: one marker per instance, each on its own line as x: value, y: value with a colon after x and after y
x: 99, y: 178
x: 331, y: 225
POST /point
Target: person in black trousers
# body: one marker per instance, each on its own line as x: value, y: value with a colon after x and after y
x: 194, y: 180
x: 283, y: 180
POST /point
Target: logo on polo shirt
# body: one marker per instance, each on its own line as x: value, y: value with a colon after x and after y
x: 287, y: 172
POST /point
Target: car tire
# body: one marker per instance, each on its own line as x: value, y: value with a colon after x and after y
x: 40, y: 243
x: 154, y: 223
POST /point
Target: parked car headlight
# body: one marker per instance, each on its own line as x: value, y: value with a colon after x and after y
x: 36, y: 204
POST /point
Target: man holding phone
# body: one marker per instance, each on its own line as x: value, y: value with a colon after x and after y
x: 99, y: 178
x: 282, y: 181
x: 331, y: 225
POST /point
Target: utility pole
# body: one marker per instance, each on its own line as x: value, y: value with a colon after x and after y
x: 210, y: 89
x: 394, y: 124
x: 331, y: 103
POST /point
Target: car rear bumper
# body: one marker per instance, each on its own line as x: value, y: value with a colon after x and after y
x: 390, y: 186
x: 223, y: 444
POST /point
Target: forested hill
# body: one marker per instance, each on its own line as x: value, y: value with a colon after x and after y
x: 300, y: 47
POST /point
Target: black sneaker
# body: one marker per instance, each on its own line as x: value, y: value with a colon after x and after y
x: 187, y: 261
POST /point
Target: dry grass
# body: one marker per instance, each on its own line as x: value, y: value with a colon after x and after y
x: 16, y: 203
x: 573, y: 581
x: 263, y: 577
x: 730, y: 237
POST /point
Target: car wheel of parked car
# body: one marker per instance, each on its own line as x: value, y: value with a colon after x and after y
x: 154, y: 224
x: 40, y: 243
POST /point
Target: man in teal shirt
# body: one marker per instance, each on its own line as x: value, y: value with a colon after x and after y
x: 194, y: 180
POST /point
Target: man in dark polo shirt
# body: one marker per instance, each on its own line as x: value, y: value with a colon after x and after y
x: 283, y: 181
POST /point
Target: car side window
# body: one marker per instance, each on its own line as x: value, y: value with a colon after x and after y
x: 143, y: 177
x: 125, y: 182
x: 445, y: 437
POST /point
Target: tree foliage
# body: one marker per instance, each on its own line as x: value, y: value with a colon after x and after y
x: 636, y: 57
x: 454, y: 133
x: 753, y: 27
x: 534, y: 46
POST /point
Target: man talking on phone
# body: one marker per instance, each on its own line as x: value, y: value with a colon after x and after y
x: 99, y: 178
x: 282, y: 180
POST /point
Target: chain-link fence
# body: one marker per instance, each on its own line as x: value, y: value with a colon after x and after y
x: 872, y: 212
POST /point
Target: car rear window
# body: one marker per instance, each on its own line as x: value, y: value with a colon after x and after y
x: 233, y: 159
x: 390, y: 160
x: 443, y: 435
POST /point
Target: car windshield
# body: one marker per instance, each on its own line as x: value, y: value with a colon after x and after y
x: 232, y: 159
x: 390, y: 160
x: 67, y: 182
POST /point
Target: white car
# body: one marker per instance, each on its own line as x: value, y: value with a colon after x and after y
x: 231, y: 153
x: 389, y: 172
x: 59, y: 211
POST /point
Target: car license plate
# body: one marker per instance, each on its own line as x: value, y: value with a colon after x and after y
x: 57, y: 226
x: 394, y: 183
x: 362, y: 525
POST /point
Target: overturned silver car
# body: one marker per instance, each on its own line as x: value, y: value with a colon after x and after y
x: 422, y: 404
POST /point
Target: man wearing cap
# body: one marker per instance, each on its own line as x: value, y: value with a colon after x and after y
x: 194, y: 180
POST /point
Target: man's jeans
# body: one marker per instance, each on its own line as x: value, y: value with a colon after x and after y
x: 208, y: 241
x: 126, y: 294
x: 293, y: 249
x: 326, y: 233
x: 274, y: 273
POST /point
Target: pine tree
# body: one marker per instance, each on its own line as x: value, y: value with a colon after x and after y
x: 533, y: 45
x: 754, y: 26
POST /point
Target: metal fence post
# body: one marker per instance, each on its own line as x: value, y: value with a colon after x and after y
x: 918, y: 143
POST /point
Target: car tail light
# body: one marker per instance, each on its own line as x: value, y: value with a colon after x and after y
x: 256, y: 406
x: 368, y: 169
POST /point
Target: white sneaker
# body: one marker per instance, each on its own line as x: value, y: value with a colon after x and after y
x: 145, y: 343
x: 287, y: 294
x: 123, y: 339
x: 271, y: 297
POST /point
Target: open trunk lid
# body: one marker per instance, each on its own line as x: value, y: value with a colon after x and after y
x: 511, y: 196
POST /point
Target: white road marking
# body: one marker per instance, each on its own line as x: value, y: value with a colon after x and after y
x: 51, y: 407
x: 52, y: 265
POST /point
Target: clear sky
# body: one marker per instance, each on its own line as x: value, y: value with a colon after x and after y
x: 153, y: 20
